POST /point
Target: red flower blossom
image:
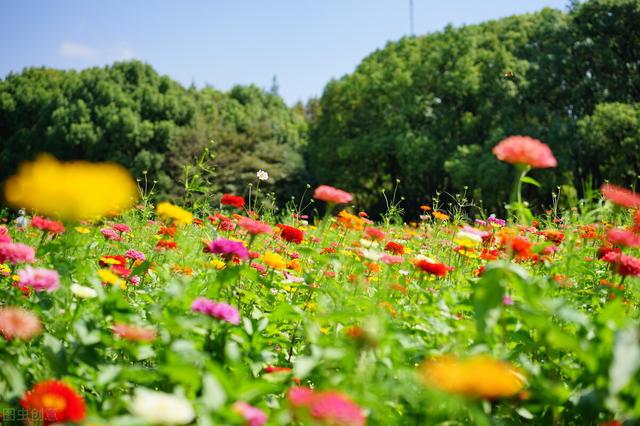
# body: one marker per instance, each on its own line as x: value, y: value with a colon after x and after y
x: 552, y: 235
x: 435, y: 268
x: 47, y: 225
x: 166, y: 245
x: 291, y: 234
x: 525, y: 150
x: 111, y: 260
x: 394, y: 248
x: 54, y: 402
x: 328, y: 408
x: 168, y: 230
x: 620, y: 196
x: 232, y: 200
x: 623, y: 238
x: 623, y: 264
x: 375, y: 234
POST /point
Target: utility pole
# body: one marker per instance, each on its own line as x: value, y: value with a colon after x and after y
x: 411, y: 16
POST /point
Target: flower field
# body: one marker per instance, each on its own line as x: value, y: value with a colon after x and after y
x: 117, y: 311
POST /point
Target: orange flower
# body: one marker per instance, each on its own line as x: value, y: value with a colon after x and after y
x: 54, y: 402
x: 440, y: 216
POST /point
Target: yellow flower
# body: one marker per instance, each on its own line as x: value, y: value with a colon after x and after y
x: 325, y: 330
x: 350, y: 221
x: 82, y: 229
x: 218, y: 264
x: 109, y: 260
x: 294, y: 265
x: 480, y: 376
x: 177, y: 214
x: 4, y: 269
x: 15, y: 278
x: 71, y: 190
x: 106, y: 276
x: 274, y: 260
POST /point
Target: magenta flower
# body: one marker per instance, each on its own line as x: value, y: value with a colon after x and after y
x: 110, y: 234
x: 135, y: 255
x: 39, y: 279
x: 254, y: 416
x: 121, y: 227
x: 16, y: 253
x: 4, y: 235
x: 218, y: 310
x: 328, y: 407
x: 227, y: 249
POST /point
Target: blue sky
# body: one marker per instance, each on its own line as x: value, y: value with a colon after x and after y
x: 226, y: 42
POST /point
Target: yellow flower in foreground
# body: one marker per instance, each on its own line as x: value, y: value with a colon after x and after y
x: 177, y: 214
x: 109, y: 277
x: 480, y: 376
x: 71, y: 190
x: 274, y: 260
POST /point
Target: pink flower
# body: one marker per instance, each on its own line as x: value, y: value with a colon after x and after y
x: 391, y: 260
x: 16, y: 253
x: 333, y: 195
x: 121, y: 227
x: 17, y: 323
x: 621, y: 237
x: 254, y: 227
x: 135, y: 280
x: 218, y: 310
x: 227, y: 249
x: 525, y: 150
x: 48, y: 225
x: 110, y: 234
x: 620, y: 196
x: 4, y: 235
x: 375, y: 234
x: 254, y: 416
x: 135, y: 255
x: 40, y: 279
x: 134, y: 333
x: 329, y: 408
x: 507, y: 300
x: 259, y: 267
x: 623, y: 264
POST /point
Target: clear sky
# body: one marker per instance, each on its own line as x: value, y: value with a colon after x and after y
x: 226, y: 42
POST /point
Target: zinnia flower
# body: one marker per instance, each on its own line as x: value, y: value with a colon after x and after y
x: 83, y: 292
x: 433, y: 267
x: 254, y: 227
x: 620, y: 196
x: 110, y: 234
x: 218, y: 310
x: 4, y: 235
x: 16, y: 253
x: 227, y: 249
x: 621, y: 237
x: 525, y: 151
x: 40, y: 279
x: 134, y: 333
x: 177, y: 215
x: 333, y: 195
x: 480, y: 376
x: 327, y: 408
x: 135, y: 255
x: 394, y: 247
x: 254, y: 416
x: 162, y: 408
x: 71, y: 190
x: 623, y: 264
x: 122, y: 227
x: 47, y: 225
x: 54, y: 402
x: 17, y: 323
x: 291, y: 234
x: 232, y: 200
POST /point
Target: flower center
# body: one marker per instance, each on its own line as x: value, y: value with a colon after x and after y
x: 54, y: 402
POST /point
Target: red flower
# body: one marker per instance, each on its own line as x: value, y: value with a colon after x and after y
x: 553, y: 235
x: 620, y: 196
x: 54, y: 402
x: 328, y: 408
x: 232, y: 200
x: 394, y: 248
x: 291, y: 234
x: 47, y: 225
x: 435, y: 268
x: 168, y: 230
x: 111, y: 260
x: 166, y: 245
x: 623, y: 264
x: 375, y: 234
x: 525, y: 150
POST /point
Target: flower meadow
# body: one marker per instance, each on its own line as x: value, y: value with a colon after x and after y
x: 120, y: 310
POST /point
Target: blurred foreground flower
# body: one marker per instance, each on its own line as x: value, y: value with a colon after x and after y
x: 162, y: 408
x: 176, y: 214
x: 621, y: 196
x: 71, y: 190
x: 54, y: 402
x: 480, y: 376
x: 325, y: 408
x: 333, y: 195
x: 18, y: 323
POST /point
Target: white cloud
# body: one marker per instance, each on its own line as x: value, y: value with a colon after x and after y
x: 123, y: 54
x: 78, y: 51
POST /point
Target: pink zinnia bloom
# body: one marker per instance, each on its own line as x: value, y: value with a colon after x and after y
x: 375, y: 234
x: 48, y: 225
x: 218, y: 310
x: 623, y: 264
x: 227, y: 225
x: 40, y: 279
x: 330, y: 408
x: 121, y: 227
x: 134, y: 333
x: 135, y: 280
x: 16, y: 253
x: 259, y: 267
x: 135, y: 255
x: 17, y: 323
x: 4, y: 235
x: 254, y: 416
x: 624, y: 238
x: 525, y: 150
x: 254, y: 227
x: 391, y: 260
x: 110, y: 234
x: 620, y: 196
x: 227, y: 249
x: 333, y: 195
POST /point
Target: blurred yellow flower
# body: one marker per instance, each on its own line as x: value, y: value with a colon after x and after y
x: 71, y: 190
x: 109, y: 277
x: 480, y: 376
x: 178, y: 215
x: 82, y: 229
x: 218, y: 264
x: 274, y: 260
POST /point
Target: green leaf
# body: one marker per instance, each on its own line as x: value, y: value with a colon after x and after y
x: 626, y: 359
x: 530, y: 181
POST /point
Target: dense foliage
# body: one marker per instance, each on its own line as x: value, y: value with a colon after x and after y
x: 426, y: 110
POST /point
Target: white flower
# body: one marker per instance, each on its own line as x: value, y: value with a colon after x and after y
x: 162, y: 408
x: 262, y: 175
x: 83, y: 292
